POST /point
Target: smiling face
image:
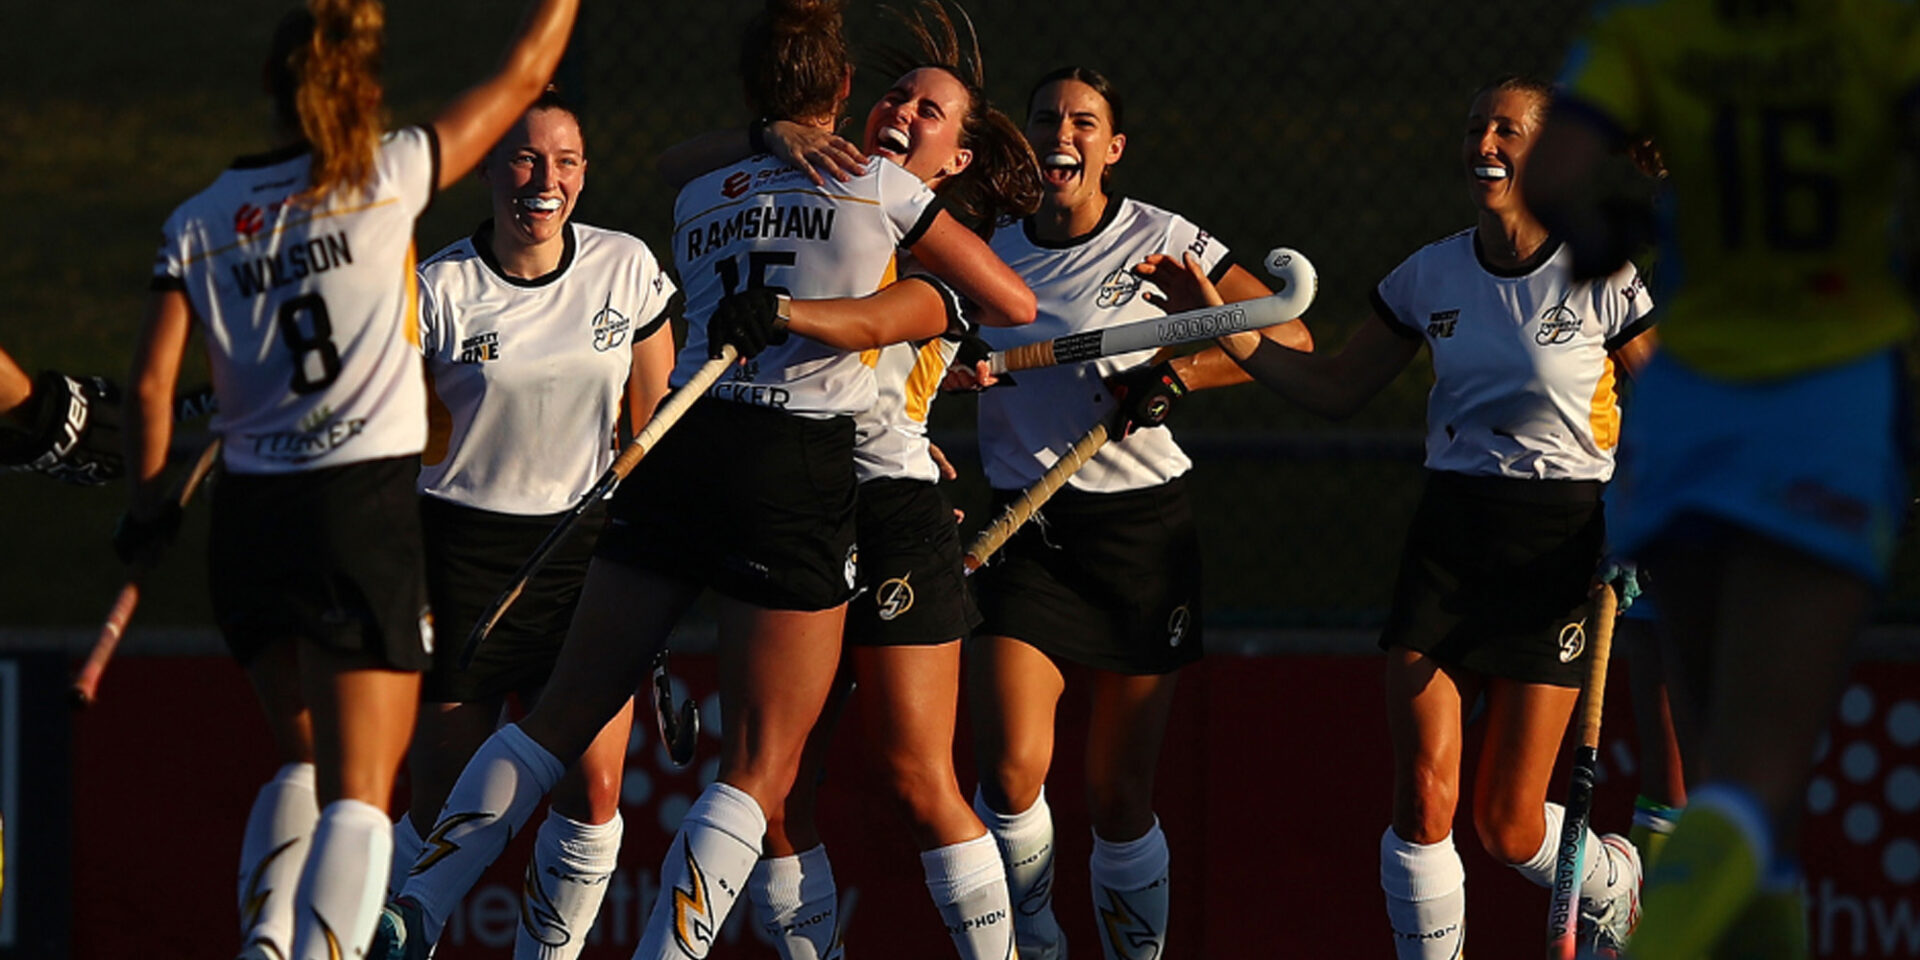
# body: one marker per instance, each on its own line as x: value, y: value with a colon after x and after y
x: 536, y: 173
x: 1501, y: 127
x: 918, y: 122
x: 1070, y: 127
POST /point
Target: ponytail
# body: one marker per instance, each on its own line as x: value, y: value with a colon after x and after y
x: 325, y: 75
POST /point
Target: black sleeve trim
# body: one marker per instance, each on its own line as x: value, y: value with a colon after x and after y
x: 1219, y: 271
x: 433, y: 153
x: 676, y: 305
x: 1391, y: 319
x: 1617, y: 136
x: 1626, y: 336
x: 956, y: 322
x: 921, y: 226
x: 162, y: 283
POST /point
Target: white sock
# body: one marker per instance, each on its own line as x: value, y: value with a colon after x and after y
x: 272, y: 853
x: 566, y: 880
x: 1596, y: 885
x: 1131, y: 895
x: 710, y: 860
x: 496, y: 793
x: 1426, y: 893
x: 1025, y: 840
x: 406, y: 849
x: 969, y: 885
x: 344, y: 885
x: 796, y: 902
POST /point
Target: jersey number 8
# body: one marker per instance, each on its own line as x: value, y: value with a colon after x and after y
x: 311, y: 347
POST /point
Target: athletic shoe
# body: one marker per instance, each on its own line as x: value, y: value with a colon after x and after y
x: 400, y: 934
x: 1607, y: 926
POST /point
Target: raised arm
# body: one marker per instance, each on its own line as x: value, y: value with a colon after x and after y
x: 476, y: 119
x: 958, y: 255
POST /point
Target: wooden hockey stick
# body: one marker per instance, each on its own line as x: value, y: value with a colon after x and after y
x: 86, y: 683
x: 1569, y: 864
x: 668, y: 414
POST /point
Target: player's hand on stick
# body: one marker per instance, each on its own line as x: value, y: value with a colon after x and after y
x: 1183, y: 283
x: 1623, y: 576
x: 1146, y: 395
x: 814, y: 151
x: 750, y: 321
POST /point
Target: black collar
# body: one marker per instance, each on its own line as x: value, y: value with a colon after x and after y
x: 483, y: 245
x: 1114, y: 202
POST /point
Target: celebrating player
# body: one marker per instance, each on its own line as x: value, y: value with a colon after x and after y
x: 1492, y: 589
x: 299, y: 264
x: 1110, y: 578
x: 1766, y: 479
x: 772, y: 531
x: 532, y: 317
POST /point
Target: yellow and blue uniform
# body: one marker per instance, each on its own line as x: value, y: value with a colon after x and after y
x: 1773, y: 403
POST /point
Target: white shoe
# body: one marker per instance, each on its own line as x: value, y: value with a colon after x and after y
x: 1606, y: 927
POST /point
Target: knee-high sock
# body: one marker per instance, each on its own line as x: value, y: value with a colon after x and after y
x: 969, y: 885
x: 1708, y: 872
x: 406, y: 849
x: 1025, y: 840
x: 565, y: 882
x: 708, y: 864
x: 1131, y: 895
x: 796, y: 902
x: 494, y: 796
x: 1426, y: 893
x: 272, y: 853
x: 1596, y: 885
x: 344, y: 884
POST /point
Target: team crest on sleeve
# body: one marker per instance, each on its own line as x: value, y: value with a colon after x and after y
x: 1118, y: 288
x: 609, y: 327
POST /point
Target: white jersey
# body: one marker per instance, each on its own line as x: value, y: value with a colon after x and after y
x: 309, y: 310
x: 890, y: 436
x: 1084, y: 284
x: 534, y: 372
x: 1523, y: 380
x: 760, y: 223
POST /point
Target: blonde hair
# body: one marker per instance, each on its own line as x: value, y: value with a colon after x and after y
x: 326, y: 78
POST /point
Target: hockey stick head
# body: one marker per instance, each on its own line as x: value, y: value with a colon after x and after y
x: 679, y: 729
x: 1293, y: 273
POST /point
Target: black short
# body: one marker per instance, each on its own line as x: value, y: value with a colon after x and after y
x: 914, y: 591
x: 1109, y: 580
x: 472, y: 554
x: 1495, y: 573
x: 751, y: 502
x: 331, y: 555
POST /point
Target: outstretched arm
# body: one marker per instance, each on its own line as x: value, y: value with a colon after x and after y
x: 469, y: 126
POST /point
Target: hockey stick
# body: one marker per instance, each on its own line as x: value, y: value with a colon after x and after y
x: 1569, y: 864
x: 1297, y: 283
x: 678, y: 728
x: 663, y: 419
x: 86, y: 683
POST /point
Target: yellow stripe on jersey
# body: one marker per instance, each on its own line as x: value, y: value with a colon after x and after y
x: 412, y: 317
x: 834, y: 197
x: 343, y: 211
x: 929, y: 366
x: 871, y: 358
x: 1603, y: 411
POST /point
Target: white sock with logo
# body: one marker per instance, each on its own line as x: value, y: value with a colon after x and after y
x: 565, y: 882
x: 1426, y: 893
x: 1025, y: 840
x: 344, y: 884
x: 272, y: 853
x: 796, y: 902
x: 1131, y: 895
x: 969, y: 885
x: 1596, y: 885
x: 708, y: 864
x: 406, y: 849
x: 506, y: 779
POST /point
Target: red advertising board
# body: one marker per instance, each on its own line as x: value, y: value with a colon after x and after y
x: 1273, y: 791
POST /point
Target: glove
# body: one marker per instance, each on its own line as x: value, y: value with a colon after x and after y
x: 751, y: 320
x: 140, y: 541
x: 76, y: 431
x: 1624, y: 576
x: 1146, y: 396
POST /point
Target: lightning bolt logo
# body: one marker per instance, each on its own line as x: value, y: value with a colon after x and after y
x: 333, y: 941
x: 538, y: 915
x: 257, y: 894
x: 267, y: 947
x: 438, y: 847
x: 1127, y: 931
x: 693, y: 911
x: 1040, y: 896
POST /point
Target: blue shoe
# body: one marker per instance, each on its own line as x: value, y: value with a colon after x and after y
x: 401, y: 933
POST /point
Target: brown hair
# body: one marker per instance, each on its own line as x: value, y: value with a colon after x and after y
x: 1003, y: 181
x: 549, y: 99
x: 1116, y: 107
x: 1521, y: 83
x: 793, y: 59
x: 325, y: 75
